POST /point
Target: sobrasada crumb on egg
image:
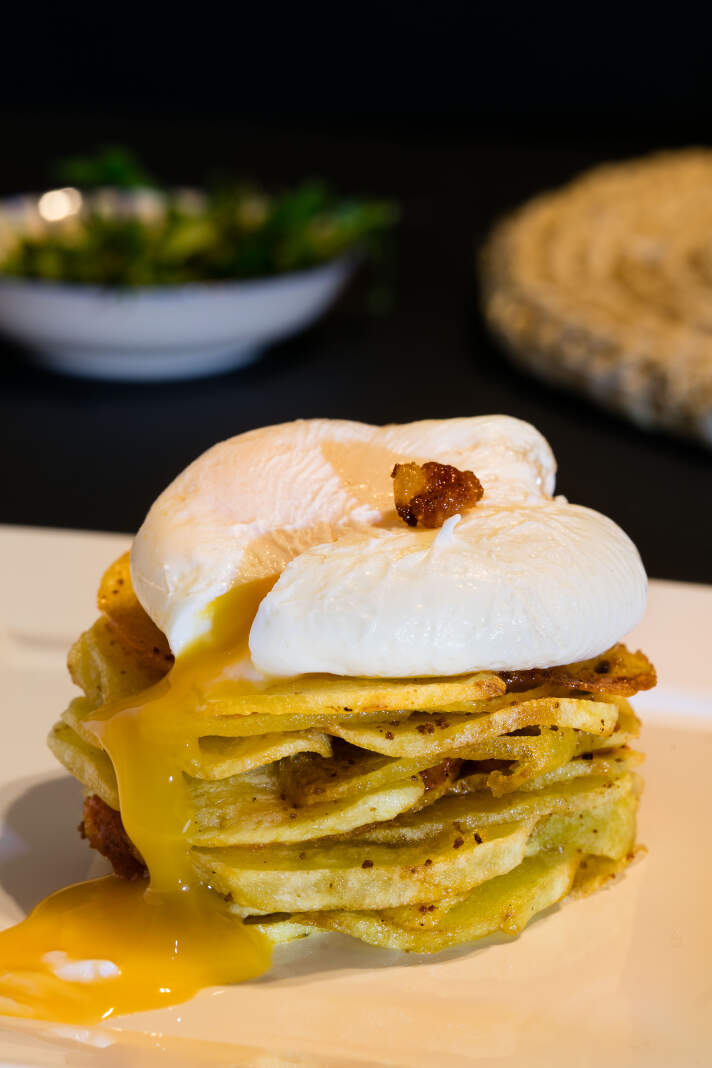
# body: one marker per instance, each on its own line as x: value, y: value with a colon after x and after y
x: 298, y: 713
x: 428, y: 494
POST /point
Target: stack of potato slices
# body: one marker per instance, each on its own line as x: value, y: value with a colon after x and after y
x: 411, y: 813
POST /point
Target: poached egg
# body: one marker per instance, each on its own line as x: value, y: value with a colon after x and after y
x: 522, y: 580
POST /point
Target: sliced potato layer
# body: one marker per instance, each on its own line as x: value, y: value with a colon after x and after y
x: 415, y: 814
x: 327, y: 874
x: 444, y: 733
x: 331, y: 695
x: 505, y: 903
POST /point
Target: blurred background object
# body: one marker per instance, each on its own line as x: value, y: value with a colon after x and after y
x: 606, y: 286
x: 459, y: 114
x: 115, y: 277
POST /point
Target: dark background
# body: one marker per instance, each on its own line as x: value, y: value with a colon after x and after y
x: 458, y: 111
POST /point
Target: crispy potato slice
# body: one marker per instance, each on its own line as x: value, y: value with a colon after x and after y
x: 596, y: 872
x: 249, y: 808
x: 332, y: 695
x: 505, y: 903
x: 611, y: 763
x: 470, y: 813
x: 617, y: 671
x: 106, y: 669
x: 93, y: 768
x: 608, y: 830
x: 329, y: 874
x: 252, y: 809
x: 128, y: 620
x: 351, y: 727
x: 426, y: 917
x: 627, y: 729
x: 309, y: 779
x: 446, y: 733
x: 86, y: 763
x: 220, y: 758
x: 248, y: 726
x: 194, y: 727
x: 530, y: 756
x: 77, y: 715
x: 285, y: 931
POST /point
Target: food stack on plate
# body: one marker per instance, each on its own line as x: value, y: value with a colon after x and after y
x: 413, y: 814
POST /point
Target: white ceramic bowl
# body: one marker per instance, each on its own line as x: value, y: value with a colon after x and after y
x: 161, y: 332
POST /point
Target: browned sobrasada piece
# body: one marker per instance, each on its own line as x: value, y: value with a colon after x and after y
x: 428, y: 494
x: 617, y: 671
x: 103, y: 828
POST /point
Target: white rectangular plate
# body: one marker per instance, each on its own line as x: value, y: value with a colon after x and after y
x: 622, y: 978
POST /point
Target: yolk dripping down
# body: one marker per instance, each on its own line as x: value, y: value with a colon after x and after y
x: 105, y: 947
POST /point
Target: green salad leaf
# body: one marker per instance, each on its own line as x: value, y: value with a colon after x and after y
x: 127, y: 233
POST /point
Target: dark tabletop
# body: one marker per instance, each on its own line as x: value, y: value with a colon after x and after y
x: 93, y: 455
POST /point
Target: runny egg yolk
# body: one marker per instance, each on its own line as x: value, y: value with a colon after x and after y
x: 105, y: 946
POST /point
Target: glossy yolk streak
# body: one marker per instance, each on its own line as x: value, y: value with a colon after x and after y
x: 106, y: 947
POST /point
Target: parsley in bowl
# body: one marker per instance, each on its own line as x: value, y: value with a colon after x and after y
x: 132, y: 281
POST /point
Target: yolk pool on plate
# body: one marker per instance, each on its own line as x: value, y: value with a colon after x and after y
x: 107, y: 946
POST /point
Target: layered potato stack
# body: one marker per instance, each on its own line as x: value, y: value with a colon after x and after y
x: 605, y: 286
x: 414, y: 814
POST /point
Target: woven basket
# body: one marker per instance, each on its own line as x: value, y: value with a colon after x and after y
x: 606, y: 286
